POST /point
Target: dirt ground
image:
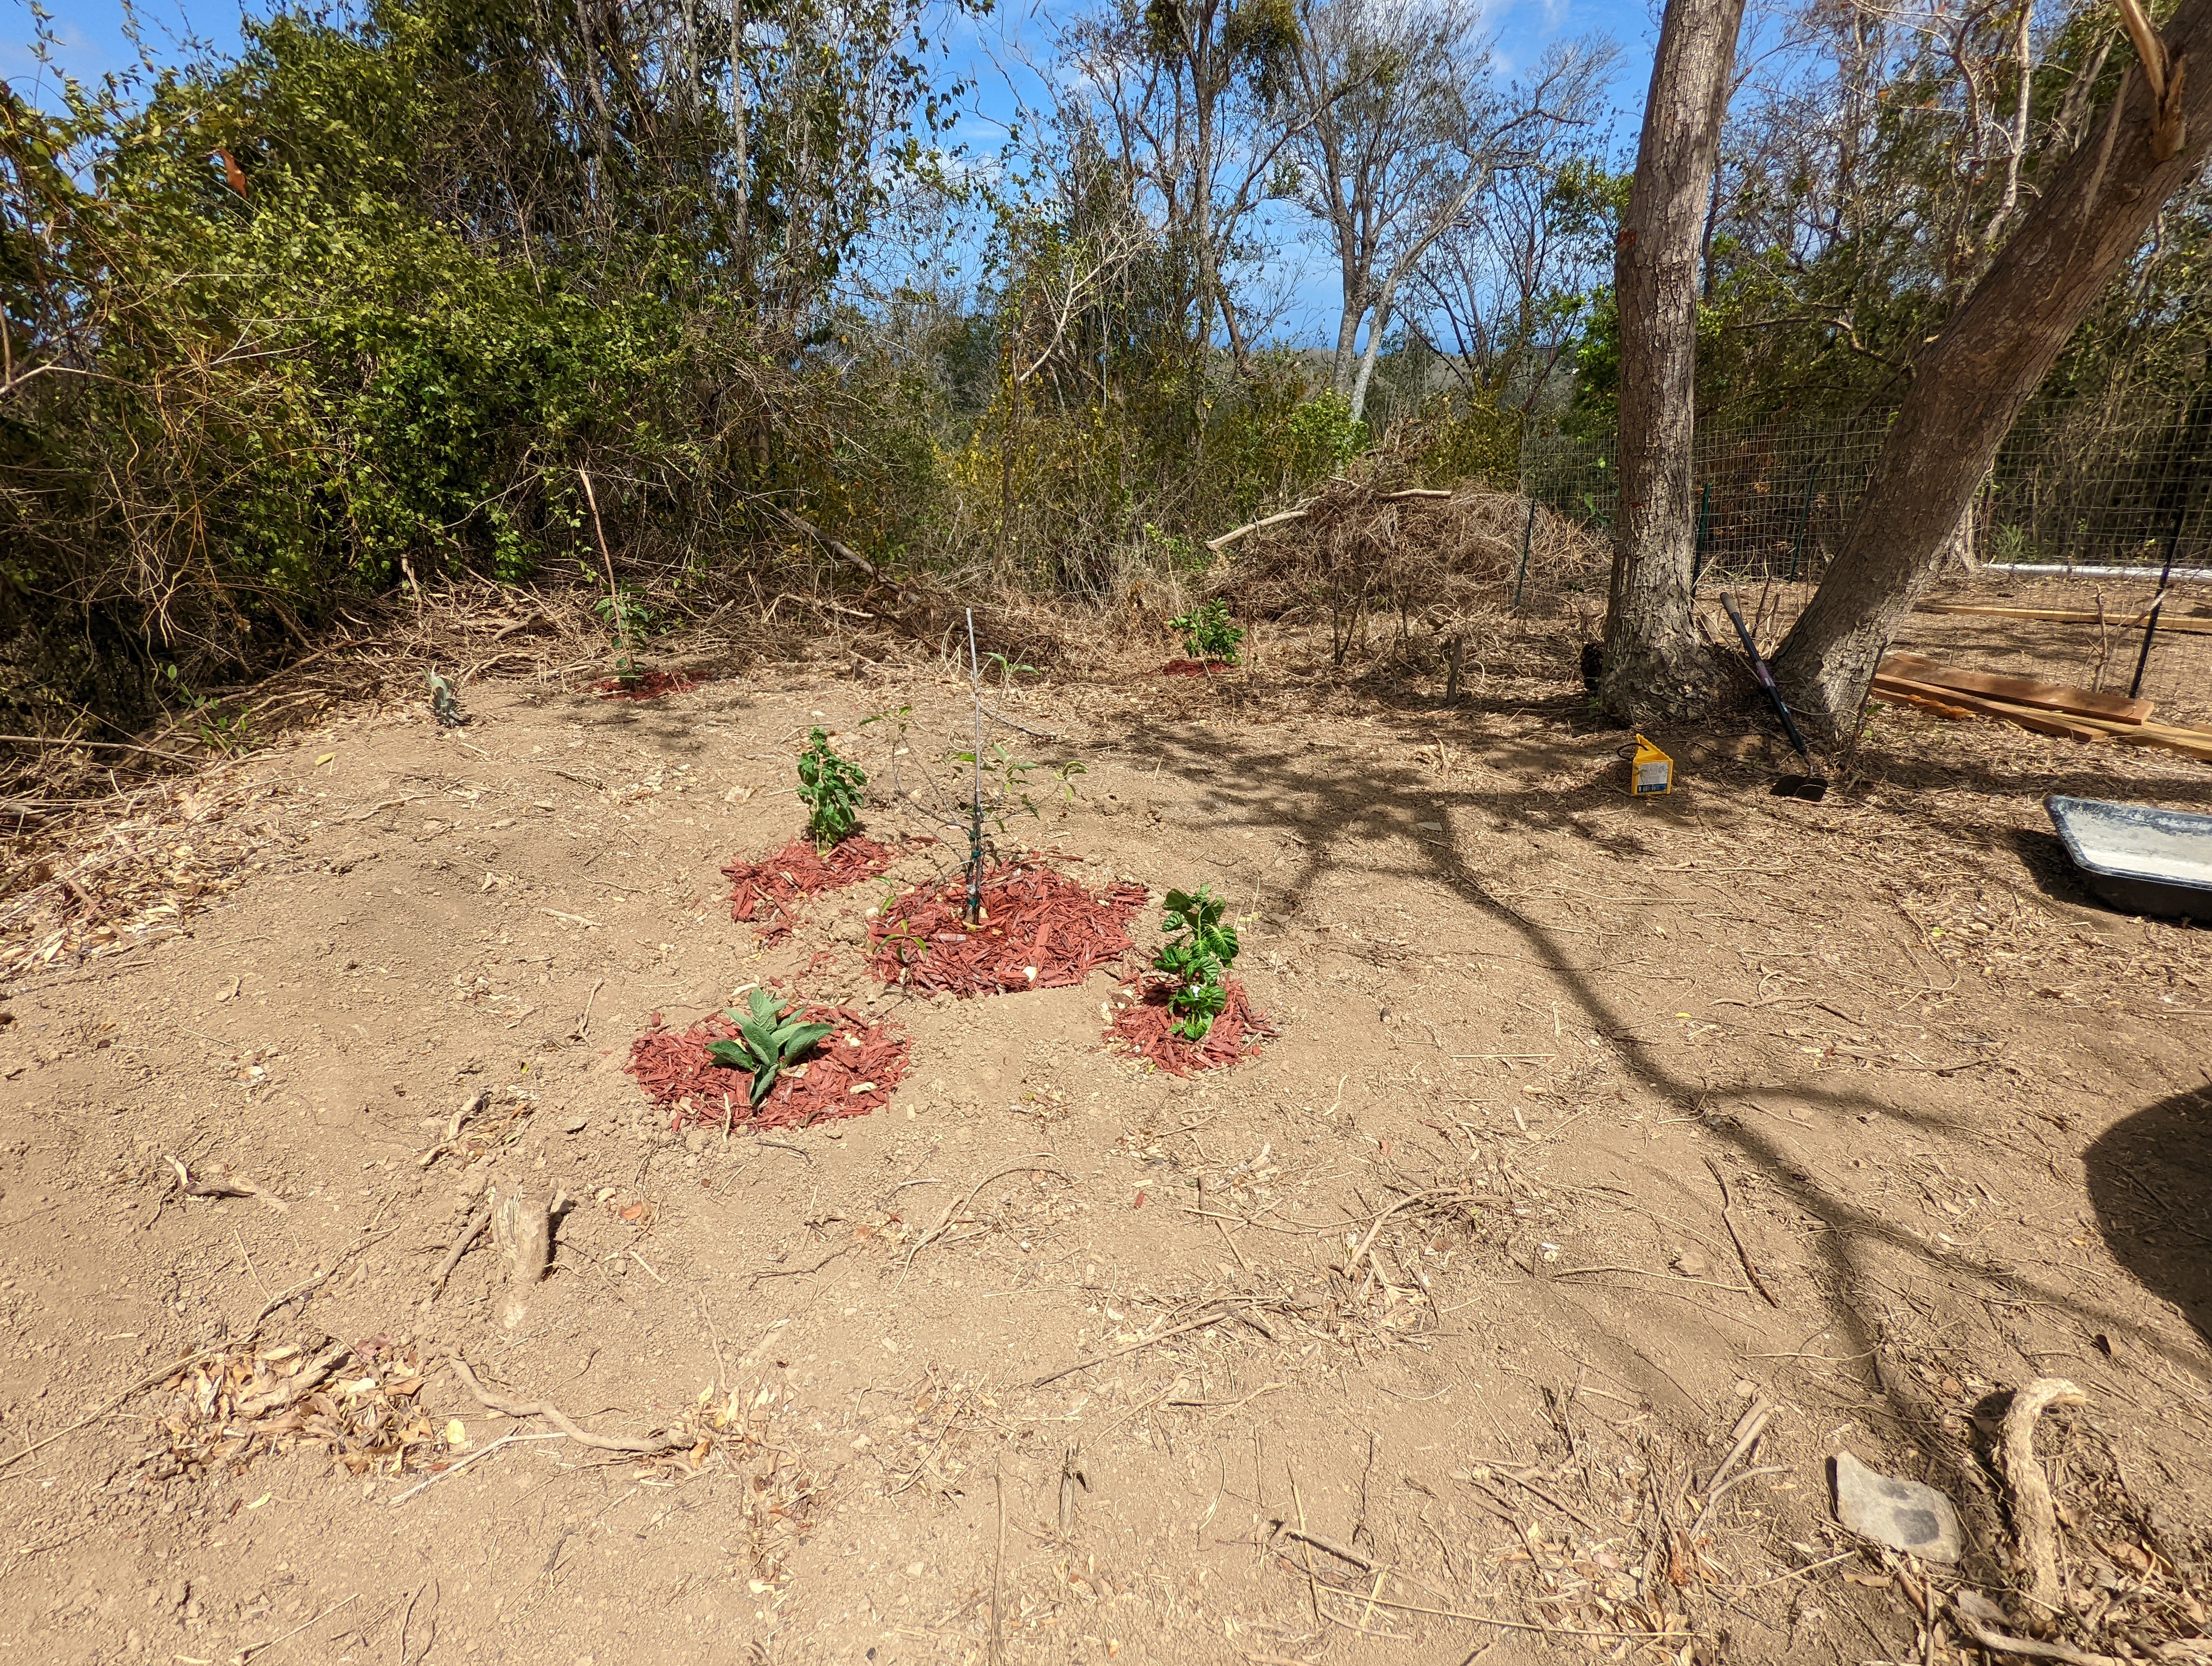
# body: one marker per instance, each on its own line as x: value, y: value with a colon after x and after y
x: 1592, y: 1125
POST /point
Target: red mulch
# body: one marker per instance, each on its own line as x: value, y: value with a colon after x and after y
x: 1192, y: 667
x: 1142, y: 1023
x: 651, y: 686
x: 798, y: 870
x: 1040, y: 930
x: 675, y: 1068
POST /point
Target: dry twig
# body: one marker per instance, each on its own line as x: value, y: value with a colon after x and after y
x: 556, y: 1417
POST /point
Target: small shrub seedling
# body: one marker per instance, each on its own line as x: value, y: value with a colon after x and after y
x: 769, y: 1040
x: 1208, y: 633
x: 829, y: 787
x: 1198, y: 955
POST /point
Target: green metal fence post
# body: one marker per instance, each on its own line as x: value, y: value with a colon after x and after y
x: 1804, y: 522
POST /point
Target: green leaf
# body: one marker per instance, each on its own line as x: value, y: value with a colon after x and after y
x: 795, y: 1039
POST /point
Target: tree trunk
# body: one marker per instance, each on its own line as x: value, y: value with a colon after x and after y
x: 1655, y: 662
x: 1971, y: 383
x: 1375, y: 328
x: 1347, y: 334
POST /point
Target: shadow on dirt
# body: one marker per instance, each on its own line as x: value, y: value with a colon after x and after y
x: 2150, y: 1178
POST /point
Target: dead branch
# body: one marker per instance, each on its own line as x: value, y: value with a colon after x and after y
x: 553, y: 1414
x: 1727, y: 1220
x: 2035, y: 1519
x: 459, y: 1247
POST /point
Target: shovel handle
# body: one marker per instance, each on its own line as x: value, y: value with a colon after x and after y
x: 1766, y: 676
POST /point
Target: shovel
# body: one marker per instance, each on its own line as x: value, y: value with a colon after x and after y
x: 1812, y: 789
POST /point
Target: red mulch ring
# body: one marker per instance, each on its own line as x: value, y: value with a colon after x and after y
x: 1193, y: 667
x: 1040, y: 930
x: 849, y: 1073
x: 798, y: 870
x: 651, y: 686
x: 1143, y: 1022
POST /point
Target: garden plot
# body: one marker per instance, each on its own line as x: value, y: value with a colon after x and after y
x: 1601, y: 1140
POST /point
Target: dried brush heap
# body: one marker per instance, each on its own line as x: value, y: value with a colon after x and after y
x: 1449, y: 563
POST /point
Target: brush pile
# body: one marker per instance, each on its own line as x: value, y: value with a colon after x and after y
x: 1139, y: 1019
x: 1040, y: 930
x: 849, y: 1073
x: 798, y: 870
x: 1357, y: 551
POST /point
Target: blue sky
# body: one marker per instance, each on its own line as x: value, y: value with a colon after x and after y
x: 94, y: 40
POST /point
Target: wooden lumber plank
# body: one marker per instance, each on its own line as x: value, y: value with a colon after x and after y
x: 2189, y: 742
x: 1920, y: 703
x: 2020, y: 690
x: 2197, y: 744
x: 2027, y: 717
x: 2187, y: 623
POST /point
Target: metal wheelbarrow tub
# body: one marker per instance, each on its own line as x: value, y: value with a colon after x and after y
x: 2139, y: 858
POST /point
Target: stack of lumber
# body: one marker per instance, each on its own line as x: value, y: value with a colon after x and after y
x: 1909, y: 679
x: 2187, y: 623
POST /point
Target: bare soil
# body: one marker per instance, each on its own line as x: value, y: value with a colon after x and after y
x: 1592, y: 1124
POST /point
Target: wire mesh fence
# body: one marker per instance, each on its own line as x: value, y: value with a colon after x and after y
x: 2086, y: 484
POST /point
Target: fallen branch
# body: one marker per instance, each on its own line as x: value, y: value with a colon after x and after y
x: 944, y: 1221
x: 1367, y: 1242
x: 1727, y: 1220
x: 1217, y: 545
x: 231, y: 1185
x: 468, y: 1234
x: 164, y: 1373
x: 1213, y: 1316
x: 1999, y: 1643
x: 1341, y: 1552
x: 2035, y: 1520
x: 556, y: 1417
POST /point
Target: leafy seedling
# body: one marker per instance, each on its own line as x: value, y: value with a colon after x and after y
x: 829, y: 787
x: 1208, y: 633
x: 770, y: 1042
x: 1198, y: 955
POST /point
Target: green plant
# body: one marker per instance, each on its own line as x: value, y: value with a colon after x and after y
x: 626, y: 615
x: 1197, y: 955
x: 1208, y: 633
x: 829, y: 787
x: 770, y: 1042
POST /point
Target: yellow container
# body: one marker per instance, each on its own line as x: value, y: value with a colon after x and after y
x: 1649, y: 770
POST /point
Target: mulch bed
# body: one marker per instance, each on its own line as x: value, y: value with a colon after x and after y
x: 1040, y: 930
x: 1193, y: 667
x: 1141, y: 1021
x: 796, y: 871
x: 849, y: 1073
x: 651, y: 686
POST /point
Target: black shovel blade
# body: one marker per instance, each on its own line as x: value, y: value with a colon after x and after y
x: 1811, y: 788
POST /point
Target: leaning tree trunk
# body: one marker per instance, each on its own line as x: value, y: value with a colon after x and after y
x: 1971, y: 383
x: 1655, y: 661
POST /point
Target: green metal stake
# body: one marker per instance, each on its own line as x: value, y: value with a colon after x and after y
x: 1705, y: 518
x: 1526, y: 533
x: 1804, y: 522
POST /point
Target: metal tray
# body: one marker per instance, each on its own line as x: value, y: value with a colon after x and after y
x: 2139, y: 858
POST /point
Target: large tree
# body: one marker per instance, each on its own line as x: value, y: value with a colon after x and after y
x: 1973, y: 380
x: 1405, y: 131
x: 1655, y: 663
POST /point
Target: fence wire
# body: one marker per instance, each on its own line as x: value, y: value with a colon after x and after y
x: 2083, y: 484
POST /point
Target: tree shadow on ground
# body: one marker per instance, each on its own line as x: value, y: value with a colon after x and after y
x: 1371, y: 815
x: 2150, y: 1180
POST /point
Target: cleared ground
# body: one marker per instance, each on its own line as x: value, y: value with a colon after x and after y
x: 1426, y: 1325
